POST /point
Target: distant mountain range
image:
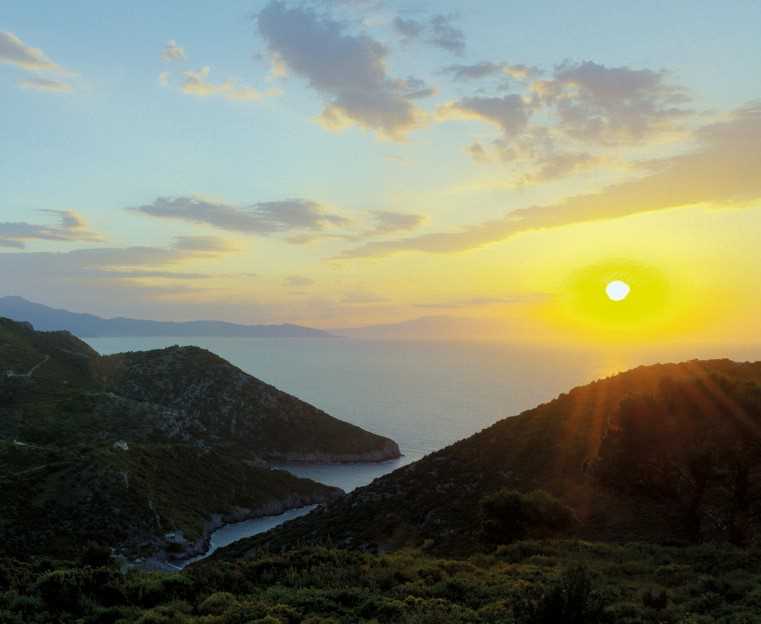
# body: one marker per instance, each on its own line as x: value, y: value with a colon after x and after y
x: 45, y: 318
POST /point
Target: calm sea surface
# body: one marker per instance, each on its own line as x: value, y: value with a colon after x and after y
x: 424, y: 395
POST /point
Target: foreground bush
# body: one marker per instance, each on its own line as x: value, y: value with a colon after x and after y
x: 509, y: 515
x: 526, y: 582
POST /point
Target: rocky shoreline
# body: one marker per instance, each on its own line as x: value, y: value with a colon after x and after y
x: 178, y: 552
x: 388, y: 451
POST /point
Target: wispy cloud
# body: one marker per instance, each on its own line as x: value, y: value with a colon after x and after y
x: 70, y: 227
x: 204, y: 244
x: 15, y: 52
x: 197, y: 83
x: 348, y: 70
x: 173, y: 52
x: 129, y: 276
x: 725, y: 168
x: 388, y: 222
x: 485, y: 69
x: 46, y: 84
x: 262, y: 218
x: 437, y: 30
x: 445, y: 35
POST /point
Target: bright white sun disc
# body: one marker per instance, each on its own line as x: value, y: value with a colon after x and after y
x: 617, y: 290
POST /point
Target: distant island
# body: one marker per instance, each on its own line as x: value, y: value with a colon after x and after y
x: 45, y: 318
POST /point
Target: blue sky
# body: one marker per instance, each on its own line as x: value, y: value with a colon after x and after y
x: 258, y: 108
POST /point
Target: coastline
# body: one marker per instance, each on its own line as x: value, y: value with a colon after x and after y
x: 164, y: 560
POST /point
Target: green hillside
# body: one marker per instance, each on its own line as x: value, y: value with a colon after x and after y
x: 667, y: 454
x: 148, y: 452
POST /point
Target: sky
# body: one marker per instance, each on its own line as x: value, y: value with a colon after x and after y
x: 350, y: 162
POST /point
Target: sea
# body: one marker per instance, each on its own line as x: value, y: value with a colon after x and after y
x: 424, y: 395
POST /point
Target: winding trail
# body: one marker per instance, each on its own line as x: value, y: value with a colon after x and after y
x: 31, y: 370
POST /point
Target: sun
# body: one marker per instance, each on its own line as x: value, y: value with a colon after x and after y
x: 617, y: 298
x: 617, y: 290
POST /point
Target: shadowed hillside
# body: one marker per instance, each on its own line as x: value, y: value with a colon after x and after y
x: 148, y: 451
x: 665, y: 453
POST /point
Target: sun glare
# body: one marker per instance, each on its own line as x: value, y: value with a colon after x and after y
x: 600, y: 298
x: 617, y: 290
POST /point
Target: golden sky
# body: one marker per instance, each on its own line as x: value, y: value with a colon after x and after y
x: 342, y: 164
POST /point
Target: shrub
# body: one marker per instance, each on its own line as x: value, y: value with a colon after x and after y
x: 60, y: 590
x: 217, y: 603
x: 571, y: 600
x: 657, y: 600
x: 96, y: 556
x: 509, y: 515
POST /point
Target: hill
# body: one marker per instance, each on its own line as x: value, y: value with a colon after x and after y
x: 90, y: 326
x: 667, y: 453
x: 488, y: 530
x: 148, y: 443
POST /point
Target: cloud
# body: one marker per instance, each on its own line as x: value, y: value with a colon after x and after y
x: 561, y: 164
x: 510, y: 113
x: 348, y: 70
x: 388, y: 222
x: 144, y: 274
x: 438, y: 31
x: 261, y: 218
x: 476, y: 71
x: 298, y: 281
x: 71, y: 227
x: 173, y: 52
x: 478, y: 153
x: 385, y: 222
x: 106, y: 277
x: 485, y: 69
x: 612, y: 105
x: 15, y: 52
x: 46, y: 84
x: 203, y: 244
x: 445, y: 36
x: 408, y: 28
x: 116, y: 262
x: 197, y: 84
x: 723, y: 169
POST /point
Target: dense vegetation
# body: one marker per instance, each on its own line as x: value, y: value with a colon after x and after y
x: 61, y: 391
x: 635, y: 499
x: 147, y: 451
x: 55, y: 499
x: 527, y: 582
x: 665, y: 454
